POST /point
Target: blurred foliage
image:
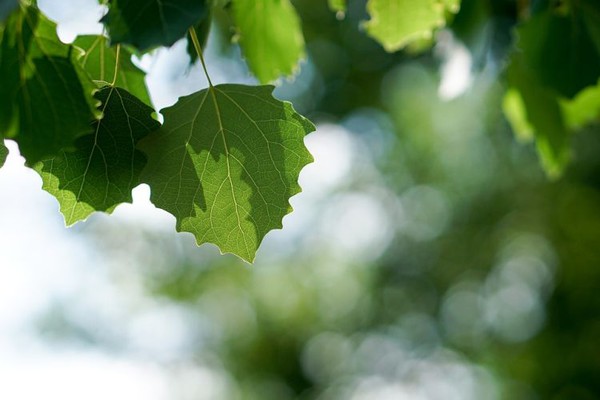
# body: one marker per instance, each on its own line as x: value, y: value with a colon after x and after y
x: 442, y: 264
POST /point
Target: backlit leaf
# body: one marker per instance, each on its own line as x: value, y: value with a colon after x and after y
x: 225, y: 164
x: 46, y: 99
x: 270, y: 35
x: 146, y: 24
x: 105, y: 166
x: 100, y: 60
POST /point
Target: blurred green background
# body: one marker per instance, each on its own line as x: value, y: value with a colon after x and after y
x: 428, y: 257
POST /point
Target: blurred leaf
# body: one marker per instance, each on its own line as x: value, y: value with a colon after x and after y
x: 397, y: 23
x: 338, y: 5
x: 46, y: 99
x: 146, y: 24
x: 270, y: 34
x: 583, y: 108
x: 3, y: 153
x: 561, y: 51
x: 100, y: 61
x: 543, y: 116
x: 6, y: 7
x: 226, y: 162
x: 105, y: 166
x: 514, y: 110
x: 202, y: 30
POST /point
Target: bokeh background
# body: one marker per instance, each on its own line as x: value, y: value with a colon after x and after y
x: 428, y: 256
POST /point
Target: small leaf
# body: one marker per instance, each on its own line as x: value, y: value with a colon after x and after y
x: 6, y: 7
x: 105, y: 166
x: 560, y: 49
x: 146, y: 24
x: 583, y: 109
x: 397, y: 23
x: 270, y: 34
x: 543, y: 116
x: 225, y: 164
x: 46, y: 99
x: 338, y: 6
x: 3, y: 153
x: 99, y: 61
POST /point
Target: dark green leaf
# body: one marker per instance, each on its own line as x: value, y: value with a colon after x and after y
x: 146, y: 24
x: 561, y: 51
x: 270, y: 35
x: 46, y: 99
x: 226, y: 162
x: 202, y: 30
x: 105, y: 166
x: 3, y: 153
x: 100, y: 60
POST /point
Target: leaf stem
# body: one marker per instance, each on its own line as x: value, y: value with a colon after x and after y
x: 117, y: 56
x: 200, y: 53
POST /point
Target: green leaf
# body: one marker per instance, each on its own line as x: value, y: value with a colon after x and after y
x: 541, y: 113
x: 338, y: 6
x: 100, y: 60
x: 46, y: 99
x: 202, y: 30
x: 561, y: 51
x: 146, y: 24
x: 397, y: 23
x: 3, y: 153
x: 226, y: 162
x: 6, y: 7
x: 105, y: 166
x: 583, y: 108
x: 270, y: 34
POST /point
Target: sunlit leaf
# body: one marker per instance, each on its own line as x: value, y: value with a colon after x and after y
x: 396, y: 23
x: 583, y: 108
x: 337, y: 5
x: 270, y: 35
x: 105, y: 166
x: 146, y: 24
x: 46, y: 99
x: 100, y: 60
x: 226, y: 162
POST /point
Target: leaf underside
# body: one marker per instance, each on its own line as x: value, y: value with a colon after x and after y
x: 105, y: 166
x: 225, y: 163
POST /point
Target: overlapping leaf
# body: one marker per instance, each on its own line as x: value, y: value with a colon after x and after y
x: 3, y: 153
x: 151, y: 23
x: 100, y: 62
x: 226, y: 162
x: 397, y: 23
x: 270, y: 35
x: 46, y: 99
x: 105, y: 165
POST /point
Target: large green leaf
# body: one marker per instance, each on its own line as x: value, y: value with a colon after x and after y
x: 561, y: 51
x: 535, y: 110
x: 105, y: 166
x: 100, y: 62
x: 150, y: 23
x: 6, y: 7
x: 270, y: 35
x: 46, y: 99
x: 397, y: 23
x: 226, y: 162
x: 3, y: 153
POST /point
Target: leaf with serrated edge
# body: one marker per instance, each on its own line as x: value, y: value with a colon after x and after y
x: 397, y: 23
x: 225, y: 164
x: 151, y: 23
x: 105, y: 167
x: 270, y: 35
x: 100, y: 61
x: 46, y: 99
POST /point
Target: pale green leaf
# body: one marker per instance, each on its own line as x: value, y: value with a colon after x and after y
x: 46, y: 99
x: 3, y: 153
x: 146, y: 24
x: 397, y: 23
x: 270, y: 34
x: 583, y: 109
x: 100, y: 60
x: 338, y: 6
x: 516, y: 114
x: 225, y: 164
x: 105, y: 166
